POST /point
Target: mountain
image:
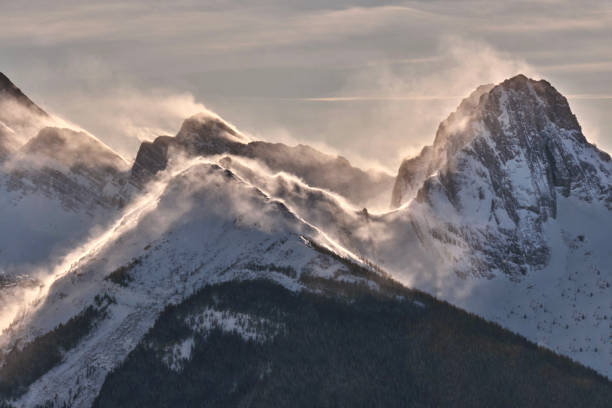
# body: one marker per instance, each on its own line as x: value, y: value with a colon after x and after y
x: 56, y: 184
x: 200, y: 135
x: 547, y: 276
x: 73, y: 165
x: 203, y: 135
x: 245, y: 302
x: 513, y: 205
x: 499, y: 166
x: 414, y: 171
x: 223, y: 271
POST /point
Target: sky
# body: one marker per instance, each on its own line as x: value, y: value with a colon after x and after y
x: 369, y: 80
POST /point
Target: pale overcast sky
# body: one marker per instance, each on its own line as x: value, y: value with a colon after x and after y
x: 367, y: 79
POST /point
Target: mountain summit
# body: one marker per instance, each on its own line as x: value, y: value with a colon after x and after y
x: 244, y: 276
x: 55, y: 184
x: 519, y: 118
x: 497, y: 167
x: 206, y: 135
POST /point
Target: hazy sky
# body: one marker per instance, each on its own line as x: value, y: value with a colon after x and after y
x: 368, y: 79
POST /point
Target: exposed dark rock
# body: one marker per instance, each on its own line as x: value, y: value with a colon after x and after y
x: 206, y: 136
x: 151, y: 158
x: 518, y: 145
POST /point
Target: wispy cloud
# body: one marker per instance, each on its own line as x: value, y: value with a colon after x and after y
x: 375, y: 98
x: 543, y: 24
x: 590, y: 96
x: 124, y: 117
x: 356, y: 70
x: 597, y: 66
x: 203, y: 28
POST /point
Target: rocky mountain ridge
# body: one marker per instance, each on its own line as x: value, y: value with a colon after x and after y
x: 203, y: 135
x: 56, y: 184
x: 117, y: 290
x: 506, y: 216
x: 498, y: 165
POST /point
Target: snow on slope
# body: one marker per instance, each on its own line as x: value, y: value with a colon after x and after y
x: 56, y: 184
x: 512, y: 226
x: 516, y: 206
x: 53, y: 191
x: 565, y: 306
x: 517, y: 151
x: 203, y: 135
x: 204, y: 225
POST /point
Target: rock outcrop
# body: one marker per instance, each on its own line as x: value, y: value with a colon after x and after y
x: 203, y: 135
x: 495, y: 170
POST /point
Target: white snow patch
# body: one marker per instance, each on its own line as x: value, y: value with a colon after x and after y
x: 176, y: 355
x: 246, y: 326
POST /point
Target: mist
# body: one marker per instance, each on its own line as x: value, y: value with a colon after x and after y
x: 381, y: 114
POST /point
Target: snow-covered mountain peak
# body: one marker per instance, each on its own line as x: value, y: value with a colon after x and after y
x: 495, y: 171
x: 20, y: 118
x: 207, y: 135
x: 451, y: 128
x: 202, y: 134
x: 504, y: 214
x: 72, y: 166
x: 55, y: 184
x: 204, y: 129
x: 73, y: 148
x: 517, y: 119
x: 536, y: 104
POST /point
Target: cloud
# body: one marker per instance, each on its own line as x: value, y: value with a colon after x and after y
x: 588, y: 22
x: 339, y: 72
x: 223, y: 28
x: 124, y: 117
x: 590, y: 96
x: 404, y: 104
x: 596, y: 66
x: 378, y: 98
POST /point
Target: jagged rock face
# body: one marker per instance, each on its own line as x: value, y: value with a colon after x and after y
x: 449, y: 139
x: 151, y: 158
x: 494, y: 172
x: 205, y: 136
x: 72, y: 166
x: 200, y: 135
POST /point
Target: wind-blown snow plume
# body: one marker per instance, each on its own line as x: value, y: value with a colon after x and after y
x: 125, y: 116
x: 390, y: 109
x: 25, y: 300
